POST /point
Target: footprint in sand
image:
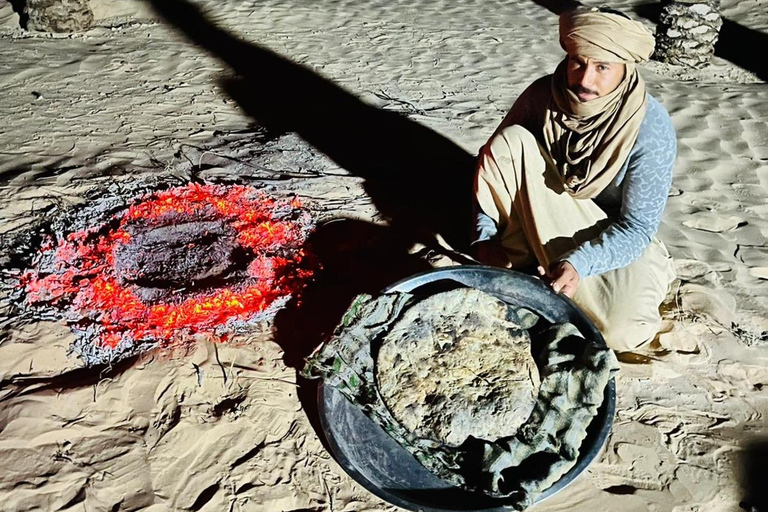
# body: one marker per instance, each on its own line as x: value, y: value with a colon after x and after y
x: 705, y: 301
x: 688, y: 270
x: 709, y: 221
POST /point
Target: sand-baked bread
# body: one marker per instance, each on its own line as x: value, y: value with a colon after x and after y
x: 457, y: 364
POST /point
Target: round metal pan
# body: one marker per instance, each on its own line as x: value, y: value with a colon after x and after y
x: 386, y: 469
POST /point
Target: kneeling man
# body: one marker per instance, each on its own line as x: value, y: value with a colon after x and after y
x: 575, y: 179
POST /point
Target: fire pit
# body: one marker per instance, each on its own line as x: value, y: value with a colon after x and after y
x: 168, y: 266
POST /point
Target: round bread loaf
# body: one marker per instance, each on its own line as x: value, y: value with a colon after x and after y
x: 458, y: 364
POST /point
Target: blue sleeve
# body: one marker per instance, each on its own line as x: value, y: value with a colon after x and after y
x: 644, y: 195
x: 485, y: 228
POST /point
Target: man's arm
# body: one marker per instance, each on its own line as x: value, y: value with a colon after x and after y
x: 644, y: 195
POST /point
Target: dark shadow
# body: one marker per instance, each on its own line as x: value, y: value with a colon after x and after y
x: 733, y: 43
x: 18, y: 8
x: 558, y: 6
x: 15, y: 172
x: 77, y: 378
x: 753, y: 468
x: 451, y: 499
x: 417, y: 178
x: 650, y: 11
x: 51, y: 169
x: 356, y: 257
x: 562, y: 244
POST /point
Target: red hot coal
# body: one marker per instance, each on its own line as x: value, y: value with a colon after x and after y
x: 197, y: 259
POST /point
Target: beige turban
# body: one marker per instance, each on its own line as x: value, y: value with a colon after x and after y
x: 590, y: 141
x: 605, y: 36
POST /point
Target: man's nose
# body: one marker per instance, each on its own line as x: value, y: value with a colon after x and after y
x: 587, y: 77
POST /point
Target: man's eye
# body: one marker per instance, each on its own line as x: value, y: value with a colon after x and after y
x: 603, y: 68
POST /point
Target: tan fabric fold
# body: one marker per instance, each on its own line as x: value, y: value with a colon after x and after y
x: 590, y: 141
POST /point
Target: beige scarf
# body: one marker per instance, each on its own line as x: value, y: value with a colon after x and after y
x: 590, y: 141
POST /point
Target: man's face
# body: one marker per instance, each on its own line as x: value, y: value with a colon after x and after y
x: 589, y: 79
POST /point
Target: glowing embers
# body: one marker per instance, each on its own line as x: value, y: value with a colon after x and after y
x: 197, y: 259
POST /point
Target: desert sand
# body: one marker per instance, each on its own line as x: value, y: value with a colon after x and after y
x: 337, y: 93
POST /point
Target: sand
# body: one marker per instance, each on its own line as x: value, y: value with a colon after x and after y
x: 224, y: 426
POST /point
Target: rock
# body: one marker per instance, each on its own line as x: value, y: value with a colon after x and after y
x: 58, y: 15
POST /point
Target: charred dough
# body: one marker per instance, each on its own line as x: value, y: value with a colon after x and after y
x: 458, y: 364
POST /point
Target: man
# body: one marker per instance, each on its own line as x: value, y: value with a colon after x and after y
x: 576, y: 177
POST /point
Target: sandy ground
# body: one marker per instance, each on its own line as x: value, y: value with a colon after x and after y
x: 217, y: 427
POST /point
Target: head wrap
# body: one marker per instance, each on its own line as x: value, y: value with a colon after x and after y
x: 590, y: 141
x: 605, y: 35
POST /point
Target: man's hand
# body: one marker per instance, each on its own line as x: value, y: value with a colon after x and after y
x: 562, y: 277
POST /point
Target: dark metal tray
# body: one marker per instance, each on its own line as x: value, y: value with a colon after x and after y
x: 386, y: 469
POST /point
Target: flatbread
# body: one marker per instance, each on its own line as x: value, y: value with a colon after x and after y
x: 456, y: 364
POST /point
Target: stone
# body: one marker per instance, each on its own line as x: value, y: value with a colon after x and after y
x: 457, y: 364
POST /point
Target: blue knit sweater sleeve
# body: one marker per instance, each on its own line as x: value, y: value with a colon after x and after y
x: 642, y: 186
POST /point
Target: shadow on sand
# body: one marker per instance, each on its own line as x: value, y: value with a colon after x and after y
x: 754, y: 467
x: 418, y: 179
x: 733, y: 45
x: 357, y: 257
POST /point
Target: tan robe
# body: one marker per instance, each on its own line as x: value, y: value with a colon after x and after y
x: 518, y: 186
